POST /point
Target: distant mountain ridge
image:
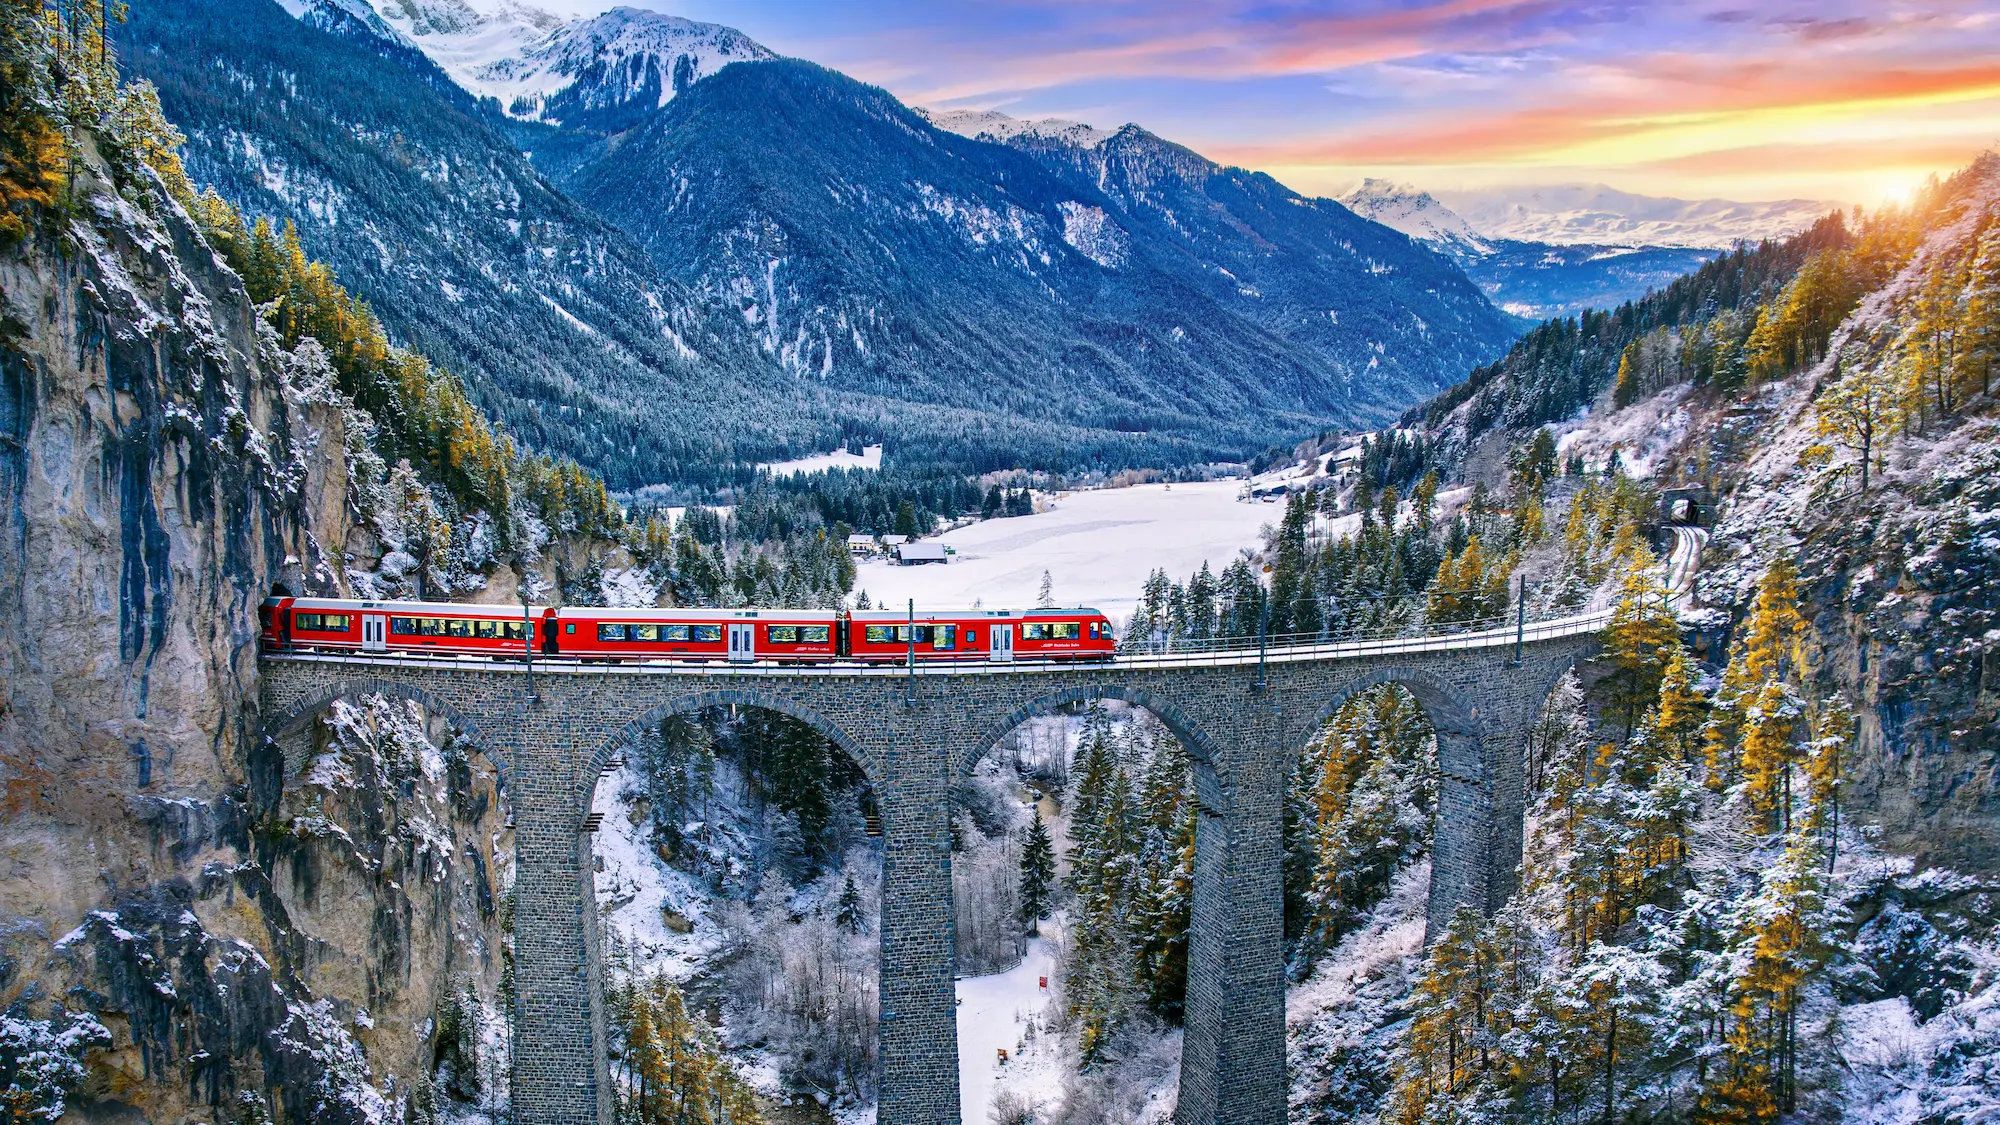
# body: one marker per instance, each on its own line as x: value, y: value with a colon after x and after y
x: 1596, y: 214
x: 1530, y: 279
x: 1418, y: 214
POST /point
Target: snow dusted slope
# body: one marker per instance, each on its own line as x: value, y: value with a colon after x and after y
x: 1594, y: 213
x: 1418, y: 214
x: 598, y: 72
x: 991, y: 125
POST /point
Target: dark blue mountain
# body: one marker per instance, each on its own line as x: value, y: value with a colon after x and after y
x: 871, y: 251
x: 781, y: 260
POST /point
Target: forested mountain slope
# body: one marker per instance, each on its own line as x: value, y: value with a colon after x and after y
x: 559, y: 324
x: 882, y: 255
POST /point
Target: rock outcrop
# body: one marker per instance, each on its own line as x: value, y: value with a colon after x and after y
x: 324, y: 947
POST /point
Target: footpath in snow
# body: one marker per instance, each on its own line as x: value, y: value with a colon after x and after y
x: 993, y: 1011
x: 1098, y: 547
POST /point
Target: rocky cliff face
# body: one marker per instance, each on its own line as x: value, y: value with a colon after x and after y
x: 249, y: 946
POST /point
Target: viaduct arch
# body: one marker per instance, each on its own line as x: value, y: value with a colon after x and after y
x: 1242, y: 717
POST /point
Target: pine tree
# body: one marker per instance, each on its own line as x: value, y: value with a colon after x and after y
x: 1858, y: 410
x: 1640, y: 639
x: 1833, y: 727
x: 1038, y: 873
x: 1770, y: 751
x: 1045, y: 598
x: 1682, y: 707
x: 848, y: 917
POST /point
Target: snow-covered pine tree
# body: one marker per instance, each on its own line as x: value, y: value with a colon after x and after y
x: 1038, y: 873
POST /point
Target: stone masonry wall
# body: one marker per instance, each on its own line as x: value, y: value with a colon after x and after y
x: 912, y: 736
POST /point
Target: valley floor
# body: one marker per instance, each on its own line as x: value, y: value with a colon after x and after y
x: 1097, y: 546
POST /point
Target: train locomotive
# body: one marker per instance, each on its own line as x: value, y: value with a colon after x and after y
x: 735, y: 636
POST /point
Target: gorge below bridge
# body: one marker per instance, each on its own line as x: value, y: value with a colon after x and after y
x: 1242, y: 715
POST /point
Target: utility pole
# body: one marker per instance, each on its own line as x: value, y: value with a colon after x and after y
x: 910, y: 698
x: 1520, y: 620
x: 528, y: 638
x: 1264, y: 644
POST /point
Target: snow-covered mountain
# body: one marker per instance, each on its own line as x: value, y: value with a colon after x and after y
x: 596, y: 72
x: 1566, y: 214
x: 1418, y: 214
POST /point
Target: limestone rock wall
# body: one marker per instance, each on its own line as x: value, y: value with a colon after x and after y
x: 255, y: 948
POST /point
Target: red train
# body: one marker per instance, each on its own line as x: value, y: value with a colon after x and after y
x: 801, y: 636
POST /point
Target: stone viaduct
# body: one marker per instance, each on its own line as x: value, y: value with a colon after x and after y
x: 1243, y: 717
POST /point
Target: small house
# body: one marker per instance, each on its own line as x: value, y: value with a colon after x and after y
x: 910, y: 554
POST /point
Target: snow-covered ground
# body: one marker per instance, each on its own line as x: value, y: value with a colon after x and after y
x: 1098, y: 546
x: 870, y: 457
x: 993, y: 1013
x: 636, y: 889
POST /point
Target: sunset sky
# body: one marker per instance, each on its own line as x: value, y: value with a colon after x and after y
x: 1838, y: 99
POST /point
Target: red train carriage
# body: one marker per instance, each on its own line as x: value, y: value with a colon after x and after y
x: 449, y: 627
x: 974, y: 634
x: 697, y: 634
x: 1047, y: 634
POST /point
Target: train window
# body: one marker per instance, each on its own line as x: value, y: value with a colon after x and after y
x: 516, y: 630
x: 782, y: 634
x: 813, y: 634
x: 458, y: 627
x: 485, y: 628
x: 1093, y: 630
x: 645, y: 632
x: 971, y: 636
x: 569, y: 626
x: 673, y: 632
x: 1065, y: 630
x: 944, y: 637
x: 881, y: 634
x: 320, y: 622
x: 1035, y: 631
x: 430, y: 626
x: 708, y: 632
x: 403, y: 626
x: 607, y: 631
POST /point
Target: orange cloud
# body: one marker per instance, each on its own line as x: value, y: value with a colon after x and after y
x: 1680, y: 97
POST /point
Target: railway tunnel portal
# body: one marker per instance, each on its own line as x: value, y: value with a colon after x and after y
x: 1242, y: 716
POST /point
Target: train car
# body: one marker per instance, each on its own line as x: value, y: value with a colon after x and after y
x: 883, y: 635
x: 736, y: 635
x: 329, y: 624
x: 975, y: 634
x: 274, y: 623
x: 1057, y: 634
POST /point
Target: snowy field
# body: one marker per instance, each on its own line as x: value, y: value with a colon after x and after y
x: 993, y: 1012
x: 870, y: 457
x: 1098, y: 546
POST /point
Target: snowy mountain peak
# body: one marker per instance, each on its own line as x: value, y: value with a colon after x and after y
x: 1566, y: 214
x: 995, y: 126
x: 1415, y: 213
x: 599, y: 71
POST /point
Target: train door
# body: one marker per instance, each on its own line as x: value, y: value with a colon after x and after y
x: 742, y: 646
x: 374, y: 632
x: 1003, y: 641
